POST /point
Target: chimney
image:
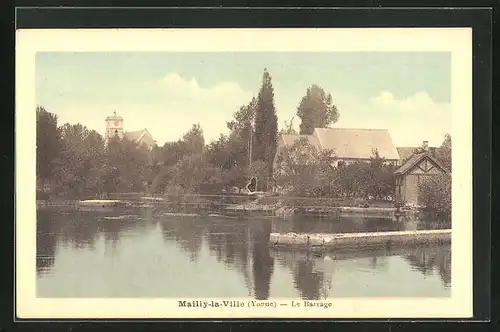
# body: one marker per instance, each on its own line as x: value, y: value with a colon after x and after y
x: 425, y: 145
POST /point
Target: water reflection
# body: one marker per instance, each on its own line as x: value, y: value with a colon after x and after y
x: 308, y: 280
x: 185, y: 232
x: 239, y: 246
x: 431, y: 260
x: 262, y: 263
x: 313, y: 273
x: 46, y: 241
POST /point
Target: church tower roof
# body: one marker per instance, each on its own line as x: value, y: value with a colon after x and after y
x: 114, y: 117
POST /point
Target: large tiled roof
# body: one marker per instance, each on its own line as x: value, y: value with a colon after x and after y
x: 357, y: 143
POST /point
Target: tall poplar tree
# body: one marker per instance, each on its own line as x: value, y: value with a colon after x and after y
x: 266, y: 124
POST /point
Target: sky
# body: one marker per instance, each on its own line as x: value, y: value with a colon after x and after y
x: 407, y: 93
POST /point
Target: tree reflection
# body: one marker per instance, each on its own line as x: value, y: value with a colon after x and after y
x: 431, y: 260
x: 312, y: 276
x: 186, y: 232
x: 46, y: 241
x: 111, y: 228
x: 80, y: 230
x: 229, y: 241
x: 263, y: 263
x: 308, y: 281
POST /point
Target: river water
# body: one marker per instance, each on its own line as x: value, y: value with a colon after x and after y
x: 148, y: 254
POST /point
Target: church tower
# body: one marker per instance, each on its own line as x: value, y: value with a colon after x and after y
x: 114, y: 126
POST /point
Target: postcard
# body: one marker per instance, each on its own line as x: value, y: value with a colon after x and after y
x: 244, y: 173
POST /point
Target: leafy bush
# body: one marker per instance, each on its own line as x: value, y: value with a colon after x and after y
x: 435, y: 193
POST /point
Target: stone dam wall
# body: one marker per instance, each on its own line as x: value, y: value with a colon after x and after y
x: 359, y: 240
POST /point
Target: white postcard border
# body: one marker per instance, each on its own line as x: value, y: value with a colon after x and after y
x: 458, y: 41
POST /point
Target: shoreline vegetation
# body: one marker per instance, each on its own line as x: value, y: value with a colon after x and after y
x: 75, y: 163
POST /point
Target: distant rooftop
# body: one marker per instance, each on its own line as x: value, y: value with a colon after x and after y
x: 135, y: 135
x: 357, y: 143
x: 415, y: 159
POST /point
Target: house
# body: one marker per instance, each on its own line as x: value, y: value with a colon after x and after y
x: 115, y: 128
x: 141, y: 137
x: 409, y: 176
x: 348, y: 145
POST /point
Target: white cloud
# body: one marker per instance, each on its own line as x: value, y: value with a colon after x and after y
x: 419, y: 102
x: 410, y: 120
x: 175, y: 83
x: 223, y: 94
x: 186, y: 102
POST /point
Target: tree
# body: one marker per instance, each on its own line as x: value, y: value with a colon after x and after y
x: 364, y: 180
x: 355, y: 180
x: 259, y: 170
x: 218, y: 153
x: 435, y: 193
x: 382, y: 183
x: 235, y: 177
x: 191, y: 174
x: 80, y: 163
x: 444, y: 152
x: 301, y: 169
x: 288, y: 129
x: 167, y: 159
x: 421, y: 149
x: 266, y: 124
x: 244, y: 118
x: 193, y: 140
x: 127, y: 165
x: 173, y: 152
x: 316, y: 110
x: 242, y: 134
x: 47, y: 144
x: 224, y: 156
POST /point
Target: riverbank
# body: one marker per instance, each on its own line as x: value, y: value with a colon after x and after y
x: 243, y: 206
x: 325, y: 241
